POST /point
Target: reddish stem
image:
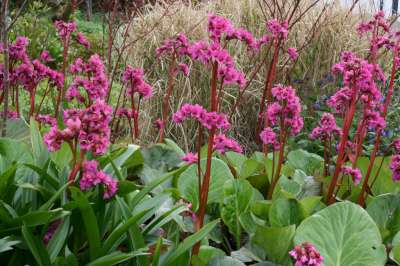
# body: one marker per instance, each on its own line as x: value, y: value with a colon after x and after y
x: 207, y: 175
x: 167, y: 96
x: 268, y: 85
x: 342, y: 147
x: 361, y: 198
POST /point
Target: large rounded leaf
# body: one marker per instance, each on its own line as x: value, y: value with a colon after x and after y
x: 344, y: 234
x: 188, y: 182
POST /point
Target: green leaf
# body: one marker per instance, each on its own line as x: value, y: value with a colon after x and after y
x: 135, y: 239
x: 275, y: 241
x: 163, y: 219
x: 237, y: 196
x: 44, y: 175
x: 189, y: 242
x: 58, y: 240
x: 206, y: 254
x: 261, y: 208
x: 305, y: 161
x: 249, y: 167
x: 157, y: 252
x: 384, y: 183
x: 7, y: 243
x: 117, y: 257
x: 40, y: 152
x: 385, y: 211
x: 7, y: 186
x: 171, y: 144
x: 395, y: 252
x: 149, y: 187
x: 90, y: 222
x: 225, y: 261
x: 36, y: 246
x: 62, y: 157
x: 188, y: 182
x: 284, y: 212
x: 121, y: 229
x: 47, y: 205
x: 344, y: 234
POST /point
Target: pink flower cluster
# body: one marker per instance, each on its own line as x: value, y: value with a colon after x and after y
x: 222, y: 144
x: 92, y: 79
x: 208, y: 54
x: 355, y: 174
x: 359, y: 82
x: 123, y: 112
x: 89, y: 127
x: 326, y: 128
x: 81, y: 39
x: 134, y: 80
x: 65, y: 29
x: 92, y: 177
x: 395, y: 167
x: 10, y: 114
x: 178, y: 45
x: 46, y: 119
x: 17, y: 50
x: 306, y: 255
x: 219, y: 26
x: 278, y: 30
x: 205, y: 118
x: 292, y: 53
x: 378, y: 21
x: 190, y: 158
x: 287, y: 107
x: 268, y: 137
x: 51, y: 230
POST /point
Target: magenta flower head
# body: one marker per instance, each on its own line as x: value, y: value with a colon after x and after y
x: 81, y: 39
x: 206, y: 119
x: 190, y: 158
x: 93, y: 79
x: 277, y: 29
x: 306, y: 255
x: 178, y: 45
x: 287, y: 107
x: 269, y: 138
x: 46, y: 57
x: 218, y: 26
x: 395, y: 167
x: 223, y: 144
x: 18, y: 49
x: 292, y: 53
x: 92, y: 177
x: 51, y: 230
x: 355, y: 174
x: 65, y: 29
x: 46, y: 119
x: 134, y: 80
x: 326, y: 128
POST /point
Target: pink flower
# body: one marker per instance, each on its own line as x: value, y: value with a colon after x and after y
x: 277, y: 29
x: 65, y: 29
x: 134, y: 80
x: 81, y: 39
x: 93, y: 80
x: 287, y: 107
x: 184, y: 68
x: 326, y: 128
x: 190, y: 158
x: 10, y: 114
x: 46, y: 119
x: 206, y: 119
x: 222, y: 144
x: 268, y: 137
x: 92, y: 177
x: 292, y: 53
x: 45, y: 56
x: 51, y: 230
x: 159, y: 123
x: 306, y: 255
x: 178, y: 45
x: 395, y: 167
x: 217, y: 26
x: 355, y: 173
x: 17, y: 50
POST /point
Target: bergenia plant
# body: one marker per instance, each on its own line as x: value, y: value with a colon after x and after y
x: 283, y: 116
x: 174, y: 50
x: 86, y: 129
x: 136, y: 90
